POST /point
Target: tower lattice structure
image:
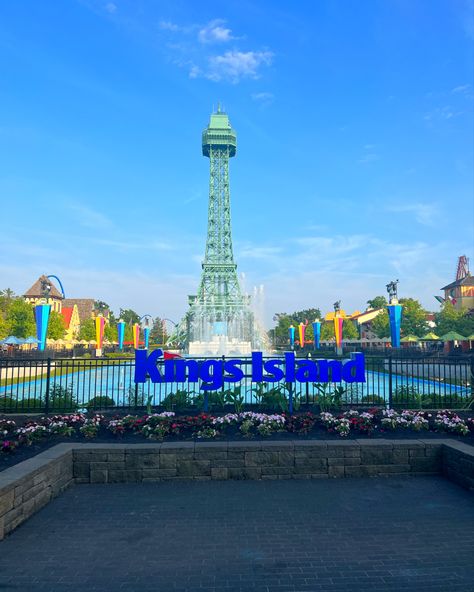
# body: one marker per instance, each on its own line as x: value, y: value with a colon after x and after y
x: 219, y: 297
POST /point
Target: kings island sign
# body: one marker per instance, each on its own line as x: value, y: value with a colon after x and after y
x: 214, y: 373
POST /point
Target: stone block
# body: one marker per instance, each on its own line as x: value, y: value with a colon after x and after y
x: 98, y: 476
x: 219, y: 473
x: 261, y: 458
x: 286, y: 458
x: 12, y: 518
x: 235, y: 454
x: 149, y: 473
x: 142, y: 461
x: 400, y: 456
x: 277, y: 470
x: 6, y: 501
x: 336, y: 471
x: 380, y: 455
x: 245, y: 473
x: 466, y: 466
x: 425, y: 465
x: 60, y: 485
x: 310, y: 466
x: 167, y: 461
x: 360, y: 471
x: 116, y: 456
x: 124, y: 476
x: 33, y: 491
x: 193, y: 468
x: 89, y: 456
x: 210, y: 454
x: 82, y: 470
x: 230, y: 464
x: 392, y: 469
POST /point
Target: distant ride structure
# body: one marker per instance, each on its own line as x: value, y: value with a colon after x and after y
x: 460, y: 292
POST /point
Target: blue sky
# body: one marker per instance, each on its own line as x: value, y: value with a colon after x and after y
x: 355, y: 146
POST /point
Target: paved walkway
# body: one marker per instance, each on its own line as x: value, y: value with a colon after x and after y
x: 347, y: 535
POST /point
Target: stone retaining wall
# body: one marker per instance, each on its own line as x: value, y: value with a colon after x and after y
x: 29, y: 485
x: 458, y: 464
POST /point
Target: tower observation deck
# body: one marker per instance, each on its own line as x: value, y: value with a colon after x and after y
x: 219, y: 320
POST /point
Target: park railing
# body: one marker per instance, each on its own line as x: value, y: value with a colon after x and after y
x: 65, y: 385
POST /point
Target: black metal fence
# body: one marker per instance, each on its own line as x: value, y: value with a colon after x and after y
x: 64, y: 385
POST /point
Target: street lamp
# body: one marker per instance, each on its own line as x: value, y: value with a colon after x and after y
x: 43, y: 311
x: 146, y: 329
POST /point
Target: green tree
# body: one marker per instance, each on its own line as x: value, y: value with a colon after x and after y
x: 413, y: 320
x: 377, y: 302
x: 104, y: 309
x: 87, y: 330
x: 349, y: 331
x: 129, y: 316
x: 381, y: 326
x: 110, y: 332
x: 56, y: 327
x: 3, y: 327
x: 6, y: 298
x: 158, y: 332
x: 20, y: 318
x: 280, y: 334
x: 451, y: 319
x: 413, y: 317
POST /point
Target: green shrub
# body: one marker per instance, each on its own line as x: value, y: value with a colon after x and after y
x: 10, y: 405
x: 215, y: 400
x: 406, y: 397
x: 61, y: 399
x: 177, y: 401
x: 100, y: 402
x: 373, y: 400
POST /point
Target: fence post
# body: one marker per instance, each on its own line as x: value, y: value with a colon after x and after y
x: 471, y: 377
x: 290, y: 399
x: 390, y: 384
x: 48, y: 381
x: 136, y: 396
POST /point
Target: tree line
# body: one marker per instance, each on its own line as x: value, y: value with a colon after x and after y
x: 17, y: 319
x: 414, y: 322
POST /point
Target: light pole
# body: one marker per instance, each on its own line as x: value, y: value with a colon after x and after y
x: 146, y: 329
x: 43, y: 311
x: 120, y: 332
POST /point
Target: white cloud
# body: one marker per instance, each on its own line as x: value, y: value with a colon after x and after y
x: 234, y: 65
x: 90, y: 218
x: 263, y: 98
x: 169, y: 26
x: 369, y: 157
x: 110, y: 7
x: 215, y: 32
x: 441, y: 114
x: 463, y: 89
x: 424, y: 213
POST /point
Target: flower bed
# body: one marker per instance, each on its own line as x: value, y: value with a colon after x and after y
x: 20, y: 441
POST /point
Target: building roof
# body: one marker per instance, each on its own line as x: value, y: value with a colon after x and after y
x: 465, y: 281
x: 36, y: 292
x: 85, y: 307
x: 67, y: 315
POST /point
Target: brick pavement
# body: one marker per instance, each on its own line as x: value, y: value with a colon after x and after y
x: 384, y: 534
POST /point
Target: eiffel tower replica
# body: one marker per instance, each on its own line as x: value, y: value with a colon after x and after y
x: 219, y: 320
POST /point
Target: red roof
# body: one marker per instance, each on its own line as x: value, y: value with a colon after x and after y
x: 67, y: 315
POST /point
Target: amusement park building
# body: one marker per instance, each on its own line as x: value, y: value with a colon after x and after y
x: 35, y: 294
